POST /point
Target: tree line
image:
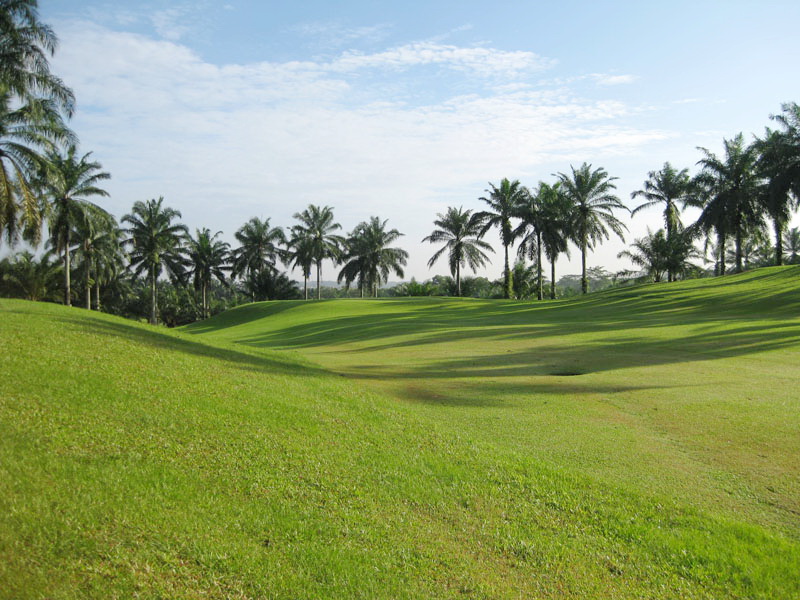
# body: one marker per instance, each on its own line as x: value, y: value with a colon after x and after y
x: 149, y: 257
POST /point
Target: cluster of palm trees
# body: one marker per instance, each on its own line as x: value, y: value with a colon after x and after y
x: 578, y: 207
x: 737, y: 194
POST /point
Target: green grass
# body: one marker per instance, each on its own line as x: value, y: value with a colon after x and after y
x: 638, y: 443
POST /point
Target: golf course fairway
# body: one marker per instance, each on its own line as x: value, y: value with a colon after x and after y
x: 642, y: 442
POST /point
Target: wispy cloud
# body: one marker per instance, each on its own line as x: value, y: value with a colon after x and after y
x: 332, y: 35
x: 607, y: 79
x: 484, y: 61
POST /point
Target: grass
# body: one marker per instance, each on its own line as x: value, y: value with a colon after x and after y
x: 638, y: 443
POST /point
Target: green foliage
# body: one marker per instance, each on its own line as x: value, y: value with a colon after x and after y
x: 368, y: 259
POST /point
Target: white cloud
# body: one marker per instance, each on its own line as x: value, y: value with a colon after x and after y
x: 483, y: 61
x: 224, y: 143
x: 606, y: 79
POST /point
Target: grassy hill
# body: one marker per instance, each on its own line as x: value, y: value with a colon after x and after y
x: 639, y: 443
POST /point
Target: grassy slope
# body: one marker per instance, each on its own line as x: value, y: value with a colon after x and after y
x: 454, y: 458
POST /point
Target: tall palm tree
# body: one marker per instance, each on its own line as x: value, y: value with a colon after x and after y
x: 731, y: 188
x: 27, y: 130
x: 68, y: 182
x: 300, y: 254
x: 368, y: 257
x: 531, y: 229
x: 555, y: 219
x: 460, y: 230
x: 25, y: 45
x: 156, y: 244
x: 259, y: 248
x: 208, y: 260
x: 667, y: 187
x: 593, y: 203
x: 504, y: 202
x: 317, y: 225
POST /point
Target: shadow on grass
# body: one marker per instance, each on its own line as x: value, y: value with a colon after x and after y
x: 172, y: 341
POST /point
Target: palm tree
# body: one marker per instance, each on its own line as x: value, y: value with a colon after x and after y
x: 317, y: 225
x: 731, y: 188
x: 68, y: 181
x: 368, y: 257
x: 532, y: 228
x: 156, y: 244
x: 97, y: 237
x: 791, y: 245
x: 593, y: 203
x: 208, y: 260
x: 460, y: 230
x: 299, y: 254
x: 658, y: 254
x: 504, y: 202
x: 667, y: 187
x: 25, y: 44
x: 259, y: 248
x: 27, y: 129
x: 779, y: 165
x: 555, y: 214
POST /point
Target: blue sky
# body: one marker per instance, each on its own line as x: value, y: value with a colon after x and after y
x: 242, y: 108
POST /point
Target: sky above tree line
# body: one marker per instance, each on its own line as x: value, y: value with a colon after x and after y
x: 245, y: 108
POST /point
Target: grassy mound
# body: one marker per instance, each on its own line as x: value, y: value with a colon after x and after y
x: 637, y: 443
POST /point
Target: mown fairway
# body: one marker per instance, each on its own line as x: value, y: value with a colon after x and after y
x: 640, y: 443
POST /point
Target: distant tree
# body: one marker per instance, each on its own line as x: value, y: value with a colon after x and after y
x: 791, y: 245
x: 667, y: 187
x: 593, y: 205
x: 68, y: 181
x: 317, y: 227
x: 208, y: 260
x: 461, y: 231
x: 368, y: 258
x: 156, y: 243
x: 658, y: 255
x: 415, y: 288
x: 504, y: 203
x: 25, y: 276
x: 730, y: 187
x: 259, y: 248
x: 98, y: 248
x: 269, y: 284
x: 525, y: 279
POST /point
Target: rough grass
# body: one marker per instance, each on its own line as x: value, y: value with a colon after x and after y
x: 641, y: 443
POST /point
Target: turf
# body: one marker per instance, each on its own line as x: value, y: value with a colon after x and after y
x: 638, y: 443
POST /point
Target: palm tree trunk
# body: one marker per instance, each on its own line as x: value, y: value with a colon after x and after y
x: 779, y: 226
x: 88, y: 283
x: 670, y: 233
x: 721, y: 242
x: 553, y: 279
x: 458, y: 279
x: 508, y: 284
x: 539, y: 294
x: 205, y: 301
x: 97, y: 294
x: 153, y: 298
x: 584, y: 281
x: 739, y: 266
x: 305, y: 286
x: 67, y: 267
x: 319, y: 272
